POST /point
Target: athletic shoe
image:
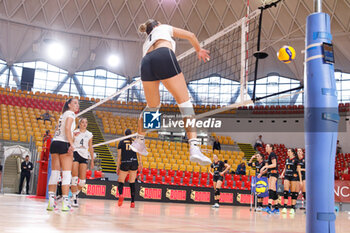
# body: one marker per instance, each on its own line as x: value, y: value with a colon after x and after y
x: 139, y: 146
x: 197, y: 156
x: 292, y: 211
x: 52, y: 204
x: 267, y: 210
x: 284, y: 211
x: 120, y: 201
x: 65, y: 205
x: 276, y: 211
x: 75, y: 202
x: 259, y: 209
x: 132, y: 205
x: 216, y: 205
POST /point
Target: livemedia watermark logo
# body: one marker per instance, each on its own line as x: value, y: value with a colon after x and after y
x: 157, y: 120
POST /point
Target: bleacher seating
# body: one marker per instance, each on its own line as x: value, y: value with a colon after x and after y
x: 193, y: 179
x: 19, y: 113
x: 341, y: 163
x: 286, y: 109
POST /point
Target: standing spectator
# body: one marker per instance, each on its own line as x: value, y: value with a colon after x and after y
x: 258, y: 142
x: 339, y: 149
x: 216, y: 145
x: 46, y: 136
x: 241, y: 169
x: 26, y: 168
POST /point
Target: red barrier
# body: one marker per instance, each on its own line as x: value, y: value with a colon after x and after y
x: 43, y: 167
x: 342, y: 191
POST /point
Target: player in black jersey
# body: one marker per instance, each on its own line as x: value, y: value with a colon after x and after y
x: 290, y: 175
x: 219, y: 169
x: 258, y: 164
x: 272, y: 171
x: 127, y: 164
x: 301, y: 172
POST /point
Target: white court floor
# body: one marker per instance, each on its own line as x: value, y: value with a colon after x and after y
x: 23, y: 214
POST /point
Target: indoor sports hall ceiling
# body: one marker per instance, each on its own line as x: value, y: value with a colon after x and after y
x: 92, y: 29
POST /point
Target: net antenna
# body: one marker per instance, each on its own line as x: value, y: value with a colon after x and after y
x: 266, y: 4
x: 231, y: 54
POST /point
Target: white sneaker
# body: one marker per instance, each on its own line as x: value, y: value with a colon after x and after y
x: 75, y: 202
x: 65, y: 204
x: 216, y: 205
x: 197, y: 156
x: 51, y: 205
x: 259, y: 209
x: 139, y: 146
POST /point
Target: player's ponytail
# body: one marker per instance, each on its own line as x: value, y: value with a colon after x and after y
x: 66, y: 105
x: 148, y: 26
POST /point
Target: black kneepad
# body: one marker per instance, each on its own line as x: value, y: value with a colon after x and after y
x: 217, y: 192
x: 275, y: 196
x: 294, y: 195
x: 285, y: 194
x: 270, y: 194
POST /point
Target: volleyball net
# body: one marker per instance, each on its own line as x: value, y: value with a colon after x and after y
x: 231, y: 54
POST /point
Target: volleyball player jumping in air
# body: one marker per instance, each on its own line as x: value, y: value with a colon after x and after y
x: 61, y: 150
x: 290, y: 176
x: 258, y: 164
x: 159, y: 64
x: 272, y: 168
x: 83, y: 150
x: 219, y: 168
x: 127, y: 164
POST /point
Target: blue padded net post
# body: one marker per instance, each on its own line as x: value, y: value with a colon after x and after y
x: 321, y: 125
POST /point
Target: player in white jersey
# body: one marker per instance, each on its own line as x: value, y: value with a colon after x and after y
x: 159, y: 64
x: 62, y: 154
x: 83, y: 150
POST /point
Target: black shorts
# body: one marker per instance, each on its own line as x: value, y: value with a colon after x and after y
x: 78, y: 158
x: 58, y: 147
x: 129, y: 166
x: 291, y: 178
x: 273, y: 175
x: 303, y: 176
x: 159, y: 64
x: 217, y: 178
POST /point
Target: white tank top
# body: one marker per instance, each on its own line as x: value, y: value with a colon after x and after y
x: 161, y: 32
x: 81, y: 143
x: 60, y: 134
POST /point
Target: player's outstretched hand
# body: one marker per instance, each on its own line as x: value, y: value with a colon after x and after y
x: 203, y: 55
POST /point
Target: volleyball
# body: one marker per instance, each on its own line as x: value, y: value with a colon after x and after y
x: 261, y: 187
x: 286, y: 54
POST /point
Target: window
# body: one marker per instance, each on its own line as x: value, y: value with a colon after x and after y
x: 214, y: 91
x: 274, y: 84
x: 4, y: 74
x: 343, y: 86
